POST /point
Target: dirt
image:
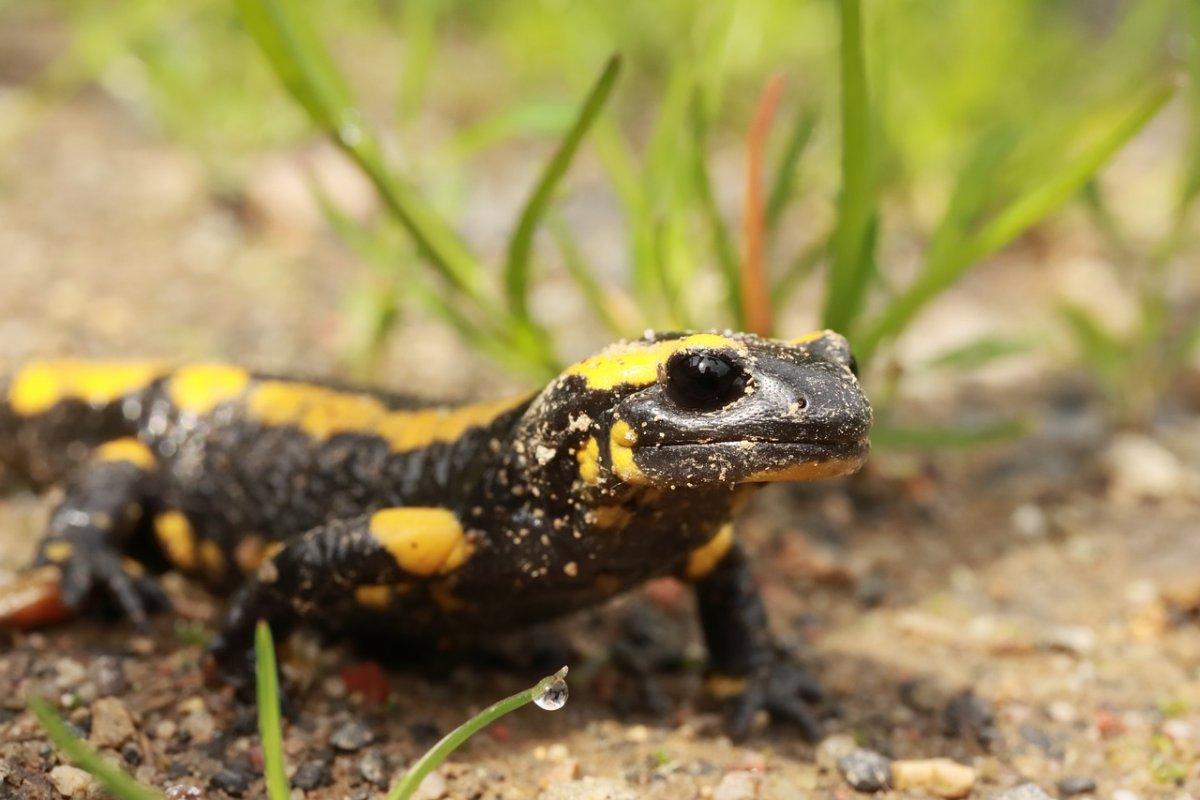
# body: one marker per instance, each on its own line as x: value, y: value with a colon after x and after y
x: 1029, y: 610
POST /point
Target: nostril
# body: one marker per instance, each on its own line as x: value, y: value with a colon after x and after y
x: 800, y: 403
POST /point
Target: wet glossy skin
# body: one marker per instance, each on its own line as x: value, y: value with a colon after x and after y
x: 351, y: 510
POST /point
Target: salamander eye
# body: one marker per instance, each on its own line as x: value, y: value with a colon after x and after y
x: 853, y: 365
x: 703, y: 381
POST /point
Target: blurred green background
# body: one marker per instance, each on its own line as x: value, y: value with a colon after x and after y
x: 538, y: 206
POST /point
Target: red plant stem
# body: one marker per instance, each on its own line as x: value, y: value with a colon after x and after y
x: 756, y: 298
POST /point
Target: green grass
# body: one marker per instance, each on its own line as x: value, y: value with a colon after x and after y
x: 270, y: 722
x: 270, y: 725
x: 928, y: 129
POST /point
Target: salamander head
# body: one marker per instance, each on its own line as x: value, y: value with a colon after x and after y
x: 689, y: 409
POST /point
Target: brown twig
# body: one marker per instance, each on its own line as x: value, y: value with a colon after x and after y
x: 756, y: 298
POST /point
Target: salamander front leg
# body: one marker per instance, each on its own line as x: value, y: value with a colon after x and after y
x: 746, y: 666
x: 313, y: 575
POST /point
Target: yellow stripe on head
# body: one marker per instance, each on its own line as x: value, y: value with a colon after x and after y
x: 41, y: 385
x: 424, y: 541
x: 202, y: 387
x: 637, y: 363
x: 127, y: 449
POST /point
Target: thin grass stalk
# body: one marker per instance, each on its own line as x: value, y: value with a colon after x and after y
x: 517, y: 267
x: 723, y: 247
x: 784, y: 186
x: 850, y: 266
x: 113, y: 778
x: 584, y: 276
x: 1013, y: 220
x: 270, y: 725
x: 411, y: 781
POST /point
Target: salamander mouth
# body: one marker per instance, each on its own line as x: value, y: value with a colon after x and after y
x: 750, y: 460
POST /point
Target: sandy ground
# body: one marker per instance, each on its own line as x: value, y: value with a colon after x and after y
x: 1028, y: 610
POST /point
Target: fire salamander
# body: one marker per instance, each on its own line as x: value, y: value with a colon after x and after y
x: 359, y: 511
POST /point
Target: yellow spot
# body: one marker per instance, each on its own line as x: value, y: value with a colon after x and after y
x: 127, y: 449
x: 609, y: 516
x: 571, y: 569
x: 212, y: 558
x: 808, y: 471
x: 174, y: 534
x: 637, y: 363
x: 58, y: 551
x: 43, y: 384
x: 811, y: 337
x: 202, y: 387
x: 249, y: 553
x: 378, y: 596
x: 424, y: 541
x: 725, y: 687
x: 706, y: 557
x: 621, y: 439
x: 589, y: 461
x: 133, y: 567
x: 322, y: 412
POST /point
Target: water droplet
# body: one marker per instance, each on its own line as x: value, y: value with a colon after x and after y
x: 552, y: 693
x: 350, y: 131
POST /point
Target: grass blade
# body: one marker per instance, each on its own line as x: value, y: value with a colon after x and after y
x: 583, y: 276
x: 979, y: 352
x: 894, y: 437
x: 850, y: 267
x: 306, y: 69
x: 113, y: 778
x: 516, y: 275
x: 722, y: 242
x: 946, y: 265
x: 784, y: 186
x: 457, y: 737
x: 756, y: 298
x: 270, y: 728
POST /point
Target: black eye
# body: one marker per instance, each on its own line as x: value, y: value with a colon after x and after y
x: 703, y: 382
x: 853, y: 366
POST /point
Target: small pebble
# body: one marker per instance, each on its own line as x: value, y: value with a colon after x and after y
x: 72, y: 781
x: 737, y: 785
x: 563, y: 770
x: 969, y: 715
x: 833, y: 748
x: 108, y: 675
x: 181, y: 791
x: 939, y: 776
x: 1040, y: 739
x: 431, y: 788
x: 199, y: 726
x: 373, y: 768
x: 354, y: 735
x: 1025, y: 791
x: 312, y: 774
x: 589, y: 789
x: 865, y: 770
x: 112, y: 724
x: 1076, y: 784
x: 233, y: 782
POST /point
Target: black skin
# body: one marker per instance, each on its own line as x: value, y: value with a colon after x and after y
x: 553, y: 526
